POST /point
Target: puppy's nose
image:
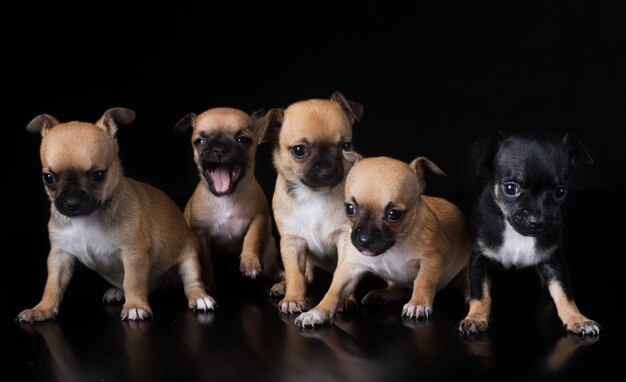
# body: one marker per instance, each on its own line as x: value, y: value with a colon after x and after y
x: 536, y: 222
x: 72, y: 203
x: 325, y: 169
x: 365, y: 238
x: 219, y: 150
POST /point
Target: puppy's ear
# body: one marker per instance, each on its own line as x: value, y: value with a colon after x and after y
x: 353, y: 110
x: 269, y: 124
x: 352, y: 156
x: 418, y: 164
x: 186, y: 122
x: 483, y: 153
x: 112, y: 117
x: 41, y: 124
x: 258, y: 125
x: 577, y: 152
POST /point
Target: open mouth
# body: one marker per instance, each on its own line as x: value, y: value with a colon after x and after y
x: 222, y: 177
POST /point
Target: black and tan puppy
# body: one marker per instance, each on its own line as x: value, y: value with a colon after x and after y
x: 516, y: 222
x: 394, y: 231
x: 310, y: 140
x: 127, y: 231
x: 228, y: 210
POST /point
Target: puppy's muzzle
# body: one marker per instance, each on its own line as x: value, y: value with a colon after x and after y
x: 223, y: 166
x: 76, y: 202
x: 371, y: 240
x: 532, y: 223
x: 326, y: 172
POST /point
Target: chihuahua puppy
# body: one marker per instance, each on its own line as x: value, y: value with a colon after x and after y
x: 129, y: 232
x: 411, y: 240
x: 516, y: 222
x: 310, y: 138
x: 228, y: 210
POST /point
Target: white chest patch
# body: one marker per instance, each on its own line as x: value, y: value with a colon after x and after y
x: 517, y: 250
x: 228, y: 224
x: 397, y: 264
x: 317, y: 219
x: 95, y: 247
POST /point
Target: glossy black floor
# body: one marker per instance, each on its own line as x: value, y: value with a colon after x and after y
x: 247, y: 339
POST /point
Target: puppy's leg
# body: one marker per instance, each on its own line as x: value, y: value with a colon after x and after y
x: 556, y: 275
x: 393, y: 292
x: 253, y: 242
x: 190, y: 272
x: 345, y: 279
x: 136, y: 272
x: 60, y: 269
x: 424, y: 287
x: 271, y: 268
x: 293, y: 252
x: 477, y: 319
x: 207, y: 272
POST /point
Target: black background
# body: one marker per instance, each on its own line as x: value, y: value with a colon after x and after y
x: 432, y: 76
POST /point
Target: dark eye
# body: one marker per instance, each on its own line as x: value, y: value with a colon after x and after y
x: 560, y: 192
x: 244, y: 140
x: 49, y: 178
x: 511, y: 189
x: 299, y: 151
x: 394, y: 215
x: 97, y: 176
x: 350, y: 209
x: 346, y: 146
x: 200, y: 141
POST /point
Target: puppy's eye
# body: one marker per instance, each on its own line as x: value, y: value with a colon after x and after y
x: 511, y: 189
x: 394, y: 215
x: 346, y: 146
x: 560, y: 192
x: 350, y: 209
x: 49, y: 178
x: 200, y: 141
x: 299, y: 151
x: 97, y: 176
x: 244, y: 140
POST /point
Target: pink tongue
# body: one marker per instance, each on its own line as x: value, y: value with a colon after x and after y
x: 221, y: 179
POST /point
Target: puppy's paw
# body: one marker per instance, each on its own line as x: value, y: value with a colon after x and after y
x: 583, y: 327
x: 291, y: 306
x: 202, y: 303
x: 250, y: 268
x: 472, y: 326
x: 278, y: 289
x: 375, y: 297
x: 136, y: 312
x: 37, y: 314
x: 313, y: 318
x: 417, y: 311
x: 113, y: 295
x: 350, y: 305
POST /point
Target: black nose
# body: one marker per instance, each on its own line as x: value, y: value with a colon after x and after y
x: 536, y: 222
x: 72, y: 203
x: 364, y: 238
x: 219, y: 150
x: 325, y: 169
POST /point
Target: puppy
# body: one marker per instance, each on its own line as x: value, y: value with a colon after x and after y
x: 129, y: 232
x: 516, y: 222
x: 310, y: 140
x: 228, y: 210
x: 411, y: 240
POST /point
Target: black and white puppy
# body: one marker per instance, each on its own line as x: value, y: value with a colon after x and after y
x: 516, y: 222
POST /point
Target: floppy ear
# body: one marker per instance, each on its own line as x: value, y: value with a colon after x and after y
x: 577, y: 152
x: 186, y: 122
x: 41, y: 124
x: 112, y: 117
x: 352, y: 156
x: 269, y: 124
x: 483, y: 152
x: 353, y: 110
x: 258, y: 125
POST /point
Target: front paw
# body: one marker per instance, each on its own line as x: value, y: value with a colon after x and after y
x: 113, y: 295
x: 251, y: 268
x: 469, y: 326
x: 134, y: 312
x: 583, y: 326
x: 375, y: 297
x: 202, y: 302
x: 37, y: 314
x: 416, y: 311
x: 291, y: 306
x: 313, y: 318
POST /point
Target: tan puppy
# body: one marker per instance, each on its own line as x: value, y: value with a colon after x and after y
x: 394, y: 231
x: 310, y: 139
x: 228, y: 210
x: 127, y: 231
